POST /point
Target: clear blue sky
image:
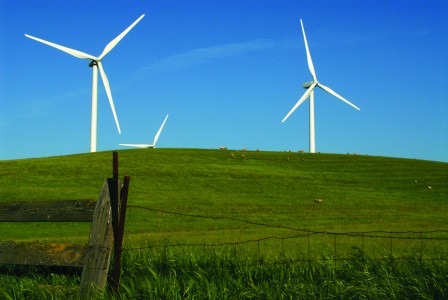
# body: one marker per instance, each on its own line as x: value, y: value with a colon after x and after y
x: 227, y: 72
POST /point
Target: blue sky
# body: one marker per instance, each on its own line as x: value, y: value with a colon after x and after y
x: 227, y: 72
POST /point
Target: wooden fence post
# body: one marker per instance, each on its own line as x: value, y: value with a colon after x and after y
x: 114, y: 211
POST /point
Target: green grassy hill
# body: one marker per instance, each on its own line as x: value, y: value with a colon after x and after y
x: 359, y: 193
x: 213, y: 197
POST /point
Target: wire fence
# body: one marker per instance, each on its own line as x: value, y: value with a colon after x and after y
x: 309, y: 245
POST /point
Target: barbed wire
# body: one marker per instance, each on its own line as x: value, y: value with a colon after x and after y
x: 416, y: 235
x: 354, y: 233
x: 260, y: 260
x: 308, y: 233
x: 270, y: 237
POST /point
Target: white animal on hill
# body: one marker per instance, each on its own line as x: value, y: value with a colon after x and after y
x: 153, y: 145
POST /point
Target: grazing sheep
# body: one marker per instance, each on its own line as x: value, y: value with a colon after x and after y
x: 243, y: 156
x: 244, y: 149
x: 223, y: 148
x: 318, y: 200
x: 429, y: 187
x: 232, y: 155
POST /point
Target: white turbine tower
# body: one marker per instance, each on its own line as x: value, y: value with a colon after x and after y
x: 310, y: 93
x: 95, y: 63
x: 153, y: 145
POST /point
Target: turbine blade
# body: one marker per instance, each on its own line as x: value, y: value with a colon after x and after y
x: 308, y: 55
x: 327, y: 89
x: 137, y: 145
x: 73, y: 52
x: 109, y: 94
x: 115, y: 41
x: 307, y: 93
x: 160, y: 130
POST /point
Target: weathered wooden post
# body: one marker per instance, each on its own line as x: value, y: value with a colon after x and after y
x: 96, y: 268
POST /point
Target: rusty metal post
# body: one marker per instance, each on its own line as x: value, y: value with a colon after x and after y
x: 120, y: 235
x: 114, y: 203
x: 119, y: 198
x: 115, y: 165
x: 114, y: 198
x: 113, y: 192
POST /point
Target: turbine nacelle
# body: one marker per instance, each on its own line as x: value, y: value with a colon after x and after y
x: 308, y: 84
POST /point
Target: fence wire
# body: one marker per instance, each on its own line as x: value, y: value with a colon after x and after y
x: 414, y: 242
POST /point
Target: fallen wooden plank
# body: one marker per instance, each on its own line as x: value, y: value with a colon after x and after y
x: 42, y: 254
x: 47, y: 211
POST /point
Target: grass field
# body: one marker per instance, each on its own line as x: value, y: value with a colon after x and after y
x: 193, y: 196
x: 359, y: 193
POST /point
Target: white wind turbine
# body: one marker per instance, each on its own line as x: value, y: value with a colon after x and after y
x: 95, y: 63
x: 310, y: 92
x: 153, y: 145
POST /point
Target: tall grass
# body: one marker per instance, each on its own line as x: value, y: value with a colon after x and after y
x: 38, y: 282
x: 221, y: 275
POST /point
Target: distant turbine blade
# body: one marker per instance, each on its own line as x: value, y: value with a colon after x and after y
x: 109, y: 94
x: 115, y: 41
x: 137, y: 145
x: 307, y: 93
x: 73, y: 52
x: 308, y: 55
x: 327, y: 89
x: 158, y: 132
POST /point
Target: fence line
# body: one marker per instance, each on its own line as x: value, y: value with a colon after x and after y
x: 310, y: 232
x: 399, y: 236
x: 306, y: 233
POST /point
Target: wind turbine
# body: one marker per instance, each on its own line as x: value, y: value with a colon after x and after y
x: 153, y: 145
x: 95, y: 64
x: 309, y: 86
